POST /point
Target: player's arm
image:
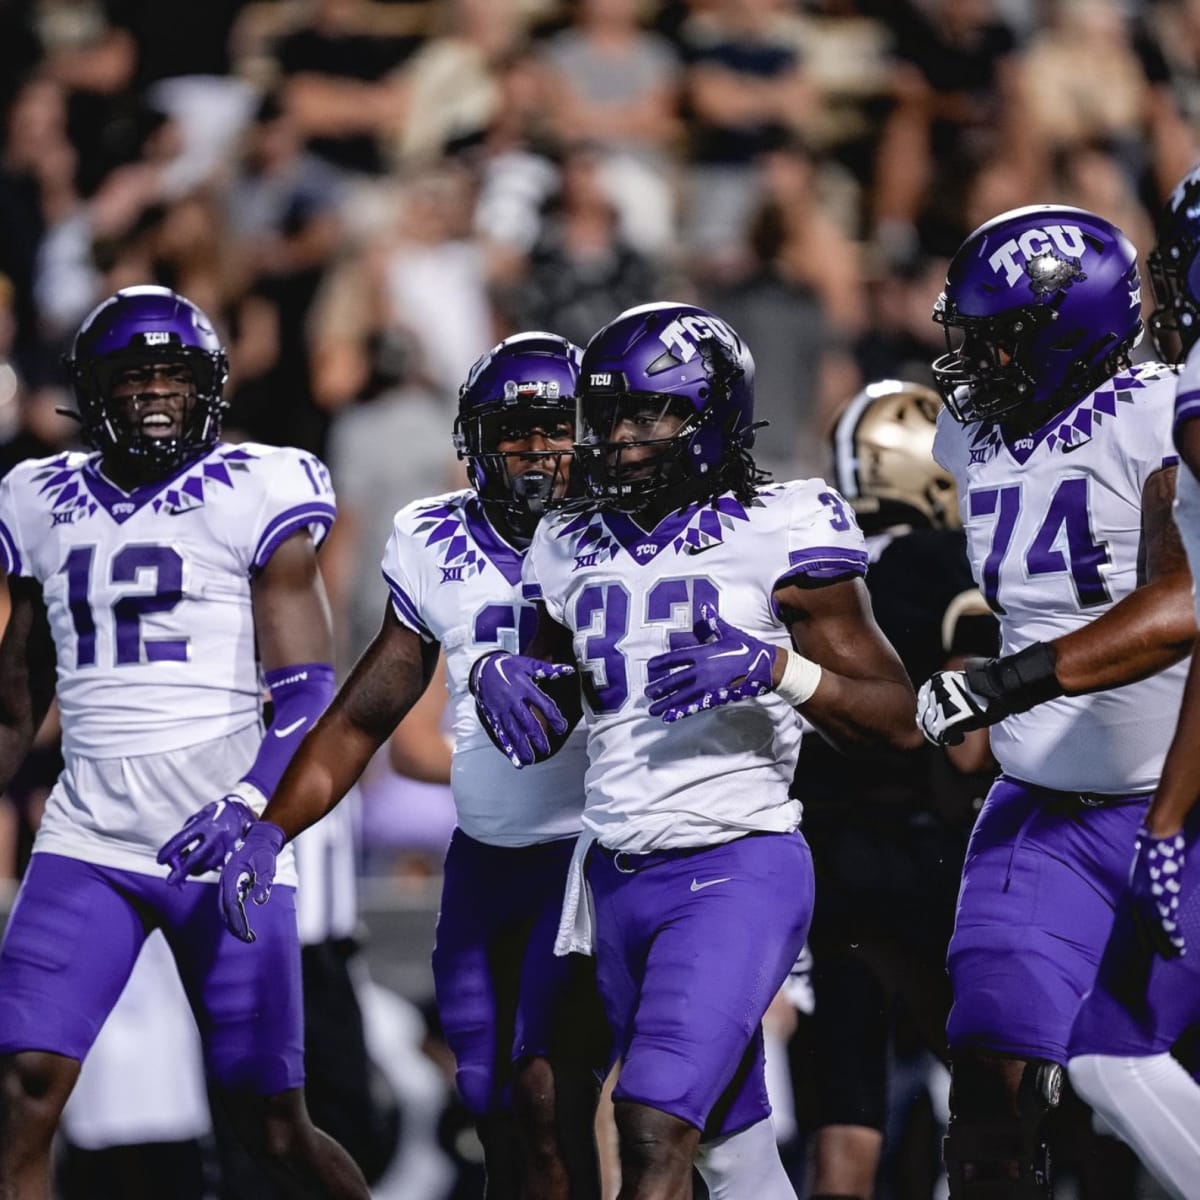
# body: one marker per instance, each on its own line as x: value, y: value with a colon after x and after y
x: 862, y: 696
x: 295, y: 646
x: 418, y: 748
x: 842, y: 674
x: 529, y: 703
x: 385, y: 683
x: 1179, y: 788
x: 1149, y: 630
x: 27, y: 674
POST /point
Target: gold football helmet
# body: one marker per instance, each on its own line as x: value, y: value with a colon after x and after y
x: 883, y: 454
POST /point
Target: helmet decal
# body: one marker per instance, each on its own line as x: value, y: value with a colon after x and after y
x: 1040, y: 306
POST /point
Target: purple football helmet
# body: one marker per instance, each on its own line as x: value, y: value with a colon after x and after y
x: 139, y: 326
x: 666, y: 405
x: 1175, y: 271
x: 1041, y: 305
x: 528, y: 381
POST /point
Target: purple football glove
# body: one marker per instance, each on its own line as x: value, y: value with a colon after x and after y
x: 725, y: 665
x: 206, y: 838
x: 1155, y: 885
x: 507, y: 697
x: 249, y: 874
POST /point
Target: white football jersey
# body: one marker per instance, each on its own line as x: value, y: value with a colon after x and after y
x: 1053, y: 525
x: 1187, y: 487
x: 628, y: 596
x: 148, y: 592
x: 455, y: 581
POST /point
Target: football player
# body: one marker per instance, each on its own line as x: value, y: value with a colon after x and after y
x: 703, y: 609
x: 453, y: 569
x: 888, y: 834
x: 1147, y: 991
x: 160, y: 572
x: 1065, y: 469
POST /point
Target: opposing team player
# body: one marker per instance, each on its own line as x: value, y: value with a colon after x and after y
x: 453, y: 567
x: 680, y: 590
x: 1065, y: 469
x: 1147, y: 992
x: 161, y: 570
x: 888, y: 833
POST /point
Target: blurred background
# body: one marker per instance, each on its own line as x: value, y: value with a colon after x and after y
x: 366, y: 194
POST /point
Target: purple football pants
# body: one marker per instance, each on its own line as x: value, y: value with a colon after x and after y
x: 1043, y: 873
x: 76, y: 931
x: 691, y: 947
x: 1142, y: 1003
x: 501, y: 992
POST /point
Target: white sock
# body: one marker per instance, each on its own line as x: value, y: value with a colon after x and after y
x: 745, y: 1164
x: 1152, y: 1103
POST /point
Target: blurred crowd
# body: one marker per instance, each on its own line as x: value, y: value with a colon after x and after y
x: 366, y: 194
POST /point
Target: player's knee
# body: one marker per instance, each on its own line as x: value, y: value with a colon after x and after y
x: 534, y: 1103
x: 653, y: 1144
x: 996, y: 1144
x: 34, y: 1087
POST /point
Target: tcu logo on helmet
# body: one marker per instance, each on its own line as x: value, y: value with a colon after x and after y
x: 682, y: 334
x: 1066, y: 239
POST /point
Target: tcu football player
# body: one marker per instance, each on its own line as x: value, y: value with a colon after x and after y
x: 1065, y: 469
x: 453, y: 570
x: 160, y: 572
x: 702, y: 609
x: 1147, y: 992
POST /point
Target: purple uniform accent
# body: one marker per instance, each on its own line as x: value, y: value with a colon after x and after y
x: 10, y: 556
x: 299, y: 694
x: 1039, y: 890
x: 406, y: 611
x: 500, y: 988
x: 76, y: 931
x: 1187, y: 408
x: 1141, y: 1003
x: 690, y: 950
x: 317, y: 512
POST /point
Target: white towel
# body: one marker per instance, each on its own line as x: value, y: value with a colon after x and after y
x: 577, y: 923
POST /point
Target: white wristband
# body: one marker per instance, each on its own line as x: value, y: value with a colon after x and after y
x: 250, y: 796
x: 800, y: 679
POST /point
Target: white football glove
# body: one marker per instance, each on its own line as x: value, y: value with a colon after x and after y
x: 948, y: 709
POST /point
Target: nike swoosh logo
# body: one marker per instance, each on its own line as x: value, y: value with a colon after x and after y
x: 699, y: 887
x: 289, y: 729
x: 703, y: 549
x: 1076, y: 446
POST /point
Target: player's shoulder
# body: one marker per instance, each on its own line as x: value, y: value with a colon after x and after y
x: 50, y: 474
x: 262, y: 463
x: 422, y: 518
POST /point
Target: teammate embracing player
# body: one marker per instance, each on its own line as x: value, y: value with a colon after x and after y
x: 702, y: 609
x: 528, y: 1043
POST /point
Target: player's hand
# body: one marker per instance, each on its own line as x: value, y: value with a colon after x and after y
x: 1155, y: 885
x: 724, y: 666
x: 249, y: 874
x: 509, y: 703
x: 206, y: 838
x: 948, y: 708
